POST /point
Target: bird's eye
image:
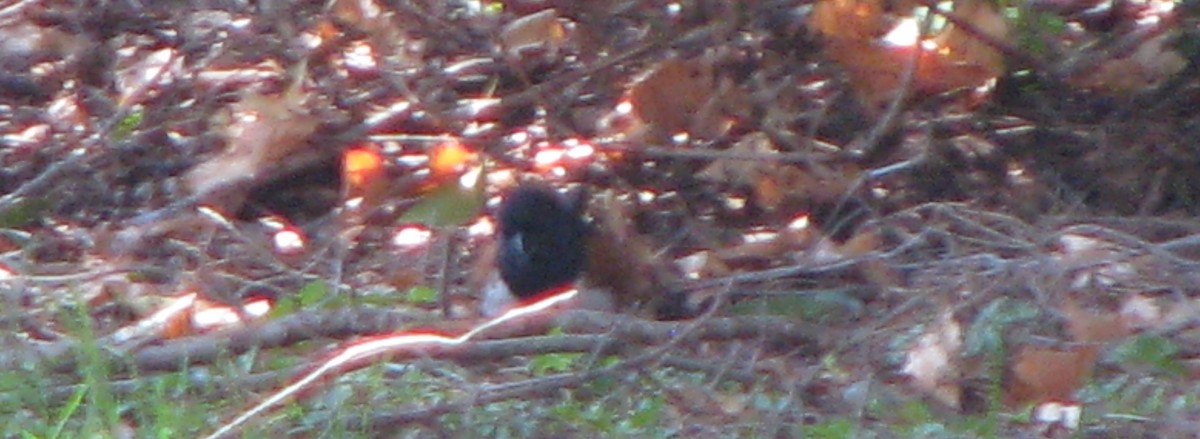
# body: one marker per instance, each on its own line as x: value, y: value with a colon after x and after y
x: 516, y: 244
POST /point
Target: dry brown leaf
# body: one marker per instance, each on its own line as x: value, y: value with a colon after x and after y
x: 140, y: 79
x: 858, y: 20
x: 806, y: 243
x: 1092, y: 327
x: 1039, y: 374
x: 702, y: 265
x: 774, y: 182
x: 541, y: 29
x: 933, y: 362
x: 1139, y: 312
x: 263, y: 131
x: 769, y: 180
x: 1147, y: 67
x: 875, y: 47
x: 672, y: 97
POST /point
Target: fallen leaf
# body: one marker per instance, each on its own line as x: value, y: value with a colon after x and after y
x: 1148, y: 66
x: 932, y: 363
x: 1093, y: 327
x: 678, y: 96
x: 1039, y: 374
x: 264, y: 130
x: 540, y: 29
x: 876, y: 44
x: 362, y: 175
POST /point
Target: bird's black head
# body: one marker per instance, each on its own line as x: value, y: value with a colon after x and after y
x: 542, y: 240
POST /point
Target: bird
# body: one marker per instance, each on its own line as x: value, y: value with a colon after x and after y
x: 544, y: 244
x: 542, y: 240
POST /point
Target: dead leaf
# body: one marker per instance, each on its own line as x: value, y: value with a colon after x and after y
x: 932, y: 362
x: 1093, y: 327
x: 677, y: 96
x: 1139, y: 312
x: 362, y: 175
x: 263, y: 131
x: 541, y: 29
x: 1039, y: 374
x: 1147, y: 67
x: 876, y: 45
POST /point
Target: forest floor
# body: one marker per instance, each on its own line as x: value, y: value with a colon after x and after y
x: 882, y: 221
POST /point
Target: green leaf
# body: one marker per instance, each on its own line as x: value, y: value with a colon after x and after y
x: 986, y: 334
x: 451, y: 204
x: 125, y: 127
x: 422, y: 294
x: 23, y: 212
x: 832, y: 429
x: 309, y: 295
x: 313, y: 293
x: 816, y: 306
x: 1151, y: 350
x: 648, y: 413
x: 551, y: 363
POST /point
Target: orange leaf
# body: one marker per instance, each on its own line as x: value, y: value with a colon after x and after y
x: 449, y: 158
x: 1041, y: 374
x: 362, y: 175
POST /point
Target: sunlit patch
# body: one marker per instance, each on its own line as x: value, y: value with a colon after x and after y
x: 311, y: 40
x: 6, y: 273
x: 170, y: 321
x: 904, y: 34
x: 1156, y: 11
x: 681, y: 137
x: 289, y: 241
x: 759, y: 236
x: 478, y: 128
x: 411, y: 236
x: 549, y: 157
x: 800, y: 223
x: 286, y: 238
x: 155, y: 68
x: 691, y: 265
x: 360, y: 56
x: 393, y: 110
x: 245, y: 117
x: 520, y: 137
x: 213, y: 214
x: 482, y: 227
x: 449, y: 158
x: 645, y: 196
x: 471, y: 178
x: 263, y: 71
x: 360, y: 165
x: 32, y: 135
x: 625, y: 107
x: 240, y: 23
x: 579, y: 150
x: 221, y: 316
x: 373, y: 346
x: 412, y: 160
x: 66, y: 110
x: 735, y: 203
x: 273, y: 223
